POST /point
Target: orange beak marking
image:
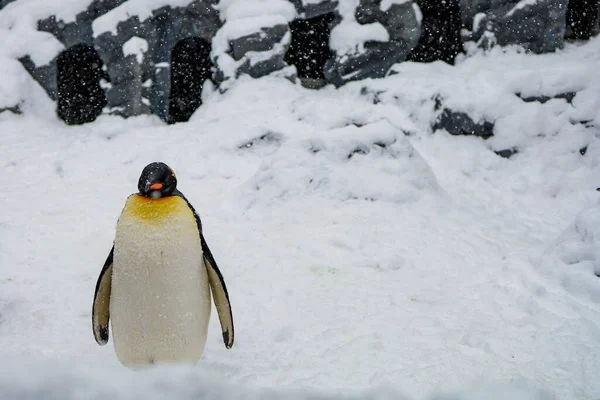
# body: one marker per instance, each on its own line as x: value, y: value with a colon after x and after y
x: 156, y: 186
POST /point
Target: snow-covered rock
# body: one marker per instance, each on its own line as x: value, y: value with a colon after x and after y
x: 367, y: 40
x: 333, y: 163
x: 536, y: 25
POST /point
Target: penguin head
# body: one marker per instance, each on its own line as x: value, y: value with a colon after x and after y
x: 157, y: 180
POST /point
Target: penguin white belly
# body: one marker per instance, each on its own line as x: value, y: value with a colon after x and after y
x: 160, y: 298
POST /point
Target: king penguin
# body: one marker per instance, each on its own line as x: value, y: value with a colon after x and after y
x: 155, y: 286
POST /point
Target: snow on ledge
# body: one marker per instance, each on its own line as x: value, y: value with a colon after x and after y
x: 136, y: 46
x: 140, y: 8
x: 520, y: 5
x: 387, y: 4
x: 64, y: 10
x: 237, y: 9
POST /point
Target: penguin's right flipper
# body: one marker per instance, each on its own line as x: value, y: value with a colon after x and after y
x: 100, y: 309
x: 220, y: 295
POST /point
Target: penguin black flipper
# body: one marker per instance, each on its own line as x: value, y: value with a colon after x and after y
x: 101, y: 309
x: 217, y: 283
x: 220, y: 295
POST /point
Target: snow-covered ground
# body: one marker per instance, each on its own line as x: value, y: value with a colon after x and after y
x: 360, y: 249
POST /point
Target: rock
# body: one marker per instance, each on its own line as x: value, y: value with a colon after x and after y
x: 138, y: 84
x: 507, y: 153
x: 387, y: 32
x: 311, y: 9
x: 374, y: 58
x: 45, y: 75
x: 4, y: 3
x: 262, y: 68
x: 309, y: 49
x: 440, y: 32
x: 264, y: 40
x: 537, y: 26
x: 582, y: 19
x: 80, y: 98
x: 459, y: 123
x: 470, y: 8
x: 567, y: 96
x: 16, y: 109
x: 191, y: 67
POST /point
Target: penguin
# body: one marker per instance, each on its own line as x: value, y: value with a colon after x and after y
x: 155, y: 286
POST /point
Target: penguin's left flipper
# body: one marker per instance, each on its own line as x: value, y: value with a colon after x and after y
x: 220, y: 295
x: 100, y: 309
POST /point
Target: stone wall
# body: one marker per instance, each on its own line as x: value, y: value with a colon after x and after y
x: 349, y: 41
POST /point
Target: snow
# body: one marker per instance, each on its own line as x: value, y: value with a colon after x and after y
x: 64, y: 10
x: 244, y: 27
x: 136, y: 46
x: 418, y: 13
x: 477, y: 21
x: 361, y: 250
x: 51, y: 380
x: 237, y: 9
x: 242, y: 18
x: 349, y: 36
x: 387, y: 4
x: 520, y: 5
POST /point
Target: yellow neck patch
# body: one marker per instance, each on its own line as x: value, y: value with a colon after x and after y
x: 152, y: 209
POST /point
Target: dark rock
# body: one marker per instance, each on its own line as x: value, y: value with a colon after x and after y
x: 538, y: 27
x: 45, y: 75
x: 263, y: 40
x: 309, y: 49
x: 582, y: 19
x: 362, y: 150
x: 263, y: 68
x: 567, y: 96
x: 440, y: 32
x: 313, y: 9
x: 373, y: 63
x: 109, y: 48
x: 470, y: 8
x: 583, y: 150
x: 69, y: 34
x: 268, y: 139
x: 459, y: 123
x: 191, y: 67
x: 4, y: 3
x: 98, y: 8
x: 507, y: 153
x: 80, y: 97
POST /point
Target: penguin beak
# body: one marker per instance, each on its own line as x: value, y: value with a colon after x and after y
x: 152, y: 186
x: 149, y: 186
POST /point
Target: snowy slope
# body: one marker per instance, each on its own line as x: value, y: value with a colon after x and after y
x: 360, y: 249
